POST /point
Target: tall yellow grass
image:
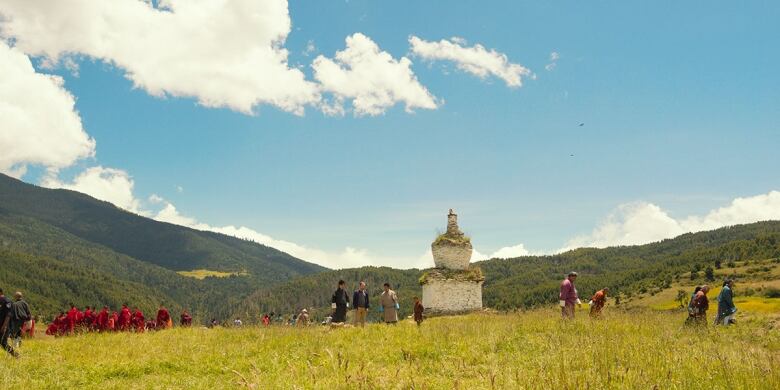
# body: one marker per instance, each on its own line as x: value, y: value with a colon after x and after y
x: 533, y: 350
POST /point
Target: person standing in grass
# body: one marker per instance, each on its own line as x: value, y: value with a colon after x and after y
x: 700, y: 304
x: 139, y: 322
x: 418, y: 311
x: 597, y: 302
x: 568, y: 296
x: 124, y: 318
x: 726, y: 307
x: 360, y: 303
x: 340, y: 301
x: 5, y: 320
x: 389, y: 304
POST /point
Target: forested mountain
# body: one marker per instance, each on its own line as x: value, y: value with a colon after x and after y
x: 525, y: 282
x: 170, y: 246
x: 62, y: 246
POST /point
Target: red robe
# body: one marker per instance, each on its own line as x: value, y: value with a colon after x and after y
x: 88, y: 318
x: 186, y: 319
x: 101, y: 322
x: 62, y: 324
x: 124, y: 319
x: 73, y: 319
x: 113, y: 321
x: 53, y: 328
x: 162, y: 318
x: 138, y: 321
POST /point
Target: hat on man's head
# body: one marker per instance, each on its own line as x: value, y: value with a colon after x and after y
x: 572, y: 273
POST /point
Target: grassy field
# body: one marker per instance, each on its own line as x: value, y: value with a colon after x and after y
x: 201, y: 274
x: 642, y: 349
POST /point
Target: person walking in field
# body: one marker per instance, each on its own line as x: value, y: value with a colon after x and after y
x: 418, y: 311
x: 124, y: 318
x: 164, y: 318
x: 360, y: 303
x: 340, y: 302
x: 20, y: 313
x: 5, y: 320
x: 303, y: 319
x: 138, y: 321
x: 597, y: 302
x: 185, y: 318
x: 389, y: 304
x: 726, y: 307
x: 266, y: 320
x: 568, y: 296
x: 700, y: 304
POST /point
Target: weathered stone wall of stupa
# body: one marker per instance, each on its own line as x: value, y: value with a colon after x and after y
x: 450, y: 296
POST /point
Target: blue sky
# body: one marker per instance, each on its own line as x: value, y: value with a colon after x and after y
x: 679, y: 100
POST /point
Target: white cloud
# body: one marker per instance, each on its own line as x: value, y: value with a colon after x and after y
x: 223, y: 53
x: 371, y: 78
x: 642, y: 223
x: 508, y: 252
x: 40, y: 124
x: 554, y: 56
x: 347, y: 258
x: 108, y: 184
x: 474, y: 59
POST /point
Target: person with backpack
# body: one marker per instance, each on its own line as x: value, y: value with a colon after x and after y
x: 5, y: 320
x: 726, y: 307
x: 700, y: 304
x: 691, y: 309
x: 20, y: 313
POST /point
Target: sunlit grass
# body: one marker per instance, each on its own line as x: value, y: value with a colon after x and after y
x: 638, y: 349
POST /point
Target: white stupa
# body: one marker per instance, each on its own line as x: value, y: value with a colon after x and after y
x: 453, y: 287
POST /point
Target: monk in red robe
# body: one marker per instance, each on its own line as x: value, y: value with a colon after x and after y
x: 139, y: 321
x: 113, y: 320
x: 186, y: 318
x: 163, y: 318
x: 54, y: 328
x: 73, y: 318
x: 101, y: 322
x: 62, y: 324
x: 89, y: 318
x: 125, y: 318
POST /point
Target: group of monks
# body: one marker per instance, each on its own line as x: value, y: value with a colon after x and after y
x: 127, y: 320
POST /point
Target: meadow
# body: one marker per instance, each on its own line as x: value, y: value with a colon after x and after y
x: 641, y: 348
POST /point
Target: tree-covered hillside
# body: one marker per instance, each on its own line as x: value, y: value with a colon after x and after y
x: 526, y: 282
x: 62, y: 246
x: 170, y: 246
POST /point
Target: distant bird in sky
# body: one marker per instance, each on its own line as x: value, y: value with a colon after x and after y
x: 571, y: 155
x: 582, y: 124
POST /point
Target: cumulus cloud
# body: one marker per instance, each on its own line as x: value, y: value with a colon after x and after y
x: 108, y: 184
x: 508, y: 252
x: 642, y: 222
x: 472, y: 59
x: 371, y: 78
x: 347, y: 258
x: 40, y: 125
x: 222, y: 53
